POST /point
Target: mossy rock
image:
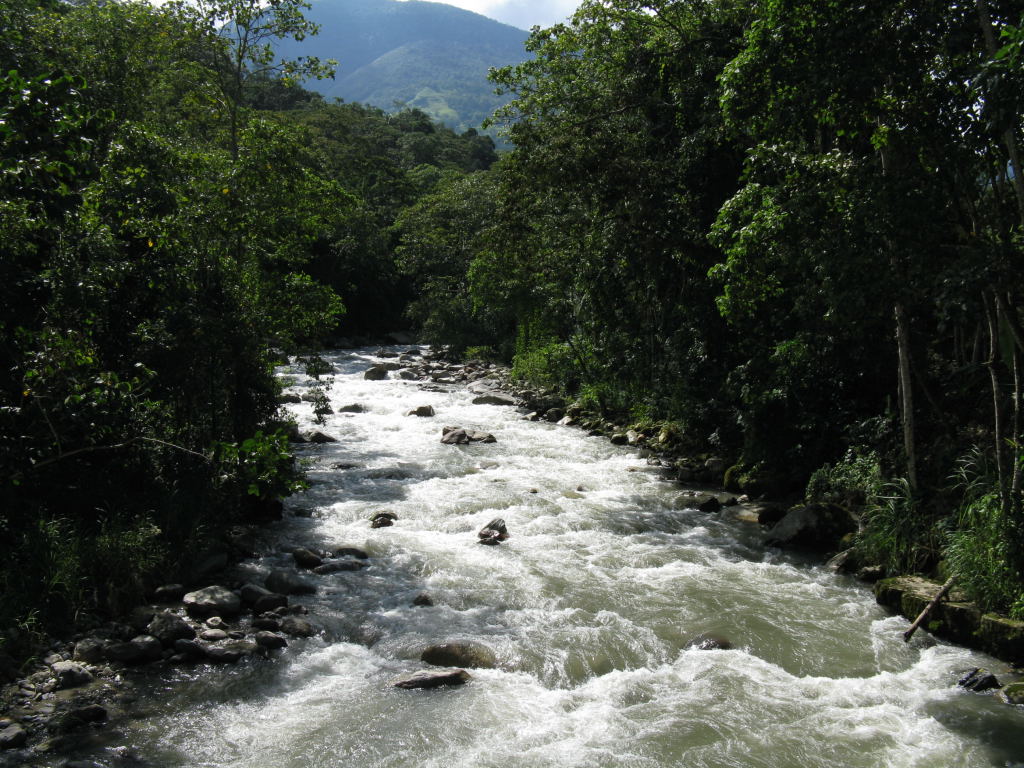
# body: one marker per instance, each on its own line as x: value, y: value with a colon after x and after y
x: 1002, y: 637
x: 1013, y: 693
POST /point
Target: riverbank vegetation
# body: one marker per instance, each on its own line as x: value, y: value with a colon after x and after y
x: 792, y: 230
x: 174, y: 211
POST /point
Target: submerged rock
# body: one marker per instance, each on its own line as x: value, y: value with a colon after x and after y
x: 460, y: 654
x: 494, y: 398
x: 708, y: 641
x: 297, y: 627
x: 1013, y: 693
x: 422, y: 600
x: 337, y: 566
x: 428, y: 678
x: 285, y: 582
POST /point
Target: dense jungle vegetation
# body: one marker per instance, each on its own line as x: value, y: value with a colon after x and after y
x: 173, y: 209
x: 787, y: 232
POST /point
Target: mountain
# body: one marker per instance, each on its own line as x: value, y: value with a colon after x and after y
x: 411, y: 53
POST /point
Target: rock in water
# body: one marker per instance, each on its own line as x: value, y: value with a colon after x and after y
x: 494, y: 398
x: 383, y: 519
x: 429, y: 678
x: 707, y: 641
x: 376, y: 373
x: 287, y: 583
x: 493, y: 532
x: 167, y: 627
x: 460, y: 654
x: 816, y: 527
x: 212, y: 601
x: 305, y: 558
x: 296, y: 627
x: 71, y: 674
x: 424, y: 411
x: 978, y: 680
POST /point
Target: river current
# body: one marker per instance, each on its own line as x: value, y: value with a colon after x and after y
x: 589, y: 607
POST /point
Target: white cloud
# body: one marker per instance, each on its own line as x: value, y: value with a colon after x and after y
x: 521, y: 13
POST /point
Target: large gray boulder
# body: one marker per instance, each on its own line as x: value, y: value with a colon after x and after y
x: 816, y: 528
x: 376, y: 373
x: 212, y: 601
x: 138, y: 650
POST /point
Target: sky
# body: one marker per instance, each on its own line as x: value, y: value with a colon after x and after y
x: 520, y: 13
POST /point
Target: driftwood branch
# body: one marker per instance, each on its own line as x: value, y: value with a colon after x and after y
x: 928, y: 609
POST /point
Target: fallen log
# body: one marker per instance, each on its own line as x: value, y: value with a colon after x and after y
x: 928, y: 609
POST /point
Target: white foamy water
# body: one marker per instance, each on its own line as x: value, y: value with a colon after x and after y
x: 588, y: 607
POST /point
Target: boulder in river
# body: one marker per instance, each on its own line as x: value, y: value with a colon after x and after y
x: 460, y: 654
x: 351, y: 408
x: 168, y: 627
x: 376, y: 373
x: 269, y: 640
x: 815, y: 527
x: 212, y: 601
x: 285, y: 582
x: 338, y: 566
x: 461, y: 436
x: 1013, y: 693
x: 320, y: 438
x: 138, y: 650
x: 494, y: 532
x: 297, y: 627
x: 383, y: 519
x: 979, y: 680
x: 494, y: 398
x: 306, y: 558
x: 422, y: 600
x: 13, y: 737
x: 430, y: 678
x: 423, y: 411
x: 355, y: 552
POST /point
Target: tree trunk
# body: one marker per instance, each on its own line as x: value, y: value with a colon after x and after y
x: 906, y: 393
x: 997, y: 400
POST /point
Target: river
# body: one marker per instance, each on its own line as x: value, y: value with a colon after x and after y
x: 589, y: 607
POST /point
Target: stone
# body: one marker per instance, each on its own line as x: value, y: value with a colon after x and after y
x: 169, y: 593
x: 815, y: 527
x: 189, y: 649
x: 460, y: 654
x: 383, y: 519
x: 423, y: 411
x: 216, y: 622
x: 493, y: 532
x: 1013, y: 693
x: 337, y: 566
x: 296, y: 627
x: 708, y: 641
x: 138, y: 650
x: 212, y: 601
x: 619, y: 438
x: 454, y: 436
x: 715, y: 467
x: 288, y: 583
x: 554, y: 415
x: 250, y: 593
x: 167, y: 627
x: 635, y: 438
x: 351, y: 408
x: 706, y: 502
x: 320, y: 438
x: 871, y: 573
x: 268, y: 622
x: 1002, y: 637
x: 213, y: 635
x: 13, y: 737
x: 289, y: 398
x: 89, y: 650
x: 422, y: 600
x: 979, y: 680
x: 433, y: 679
x: 269, y: 640
x: 351, y: 552
x: 71, y: 674
x: 269, y: 602
x: 223, y: 654
x: 494, y: 398
x: 376, y: 373
x: 305, y: 558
